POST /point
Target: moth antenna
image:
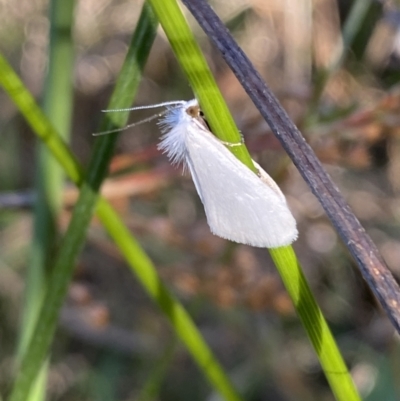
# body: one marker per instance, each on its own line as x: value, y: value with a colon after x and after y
x: 153, y: 117
x: 151, y: 106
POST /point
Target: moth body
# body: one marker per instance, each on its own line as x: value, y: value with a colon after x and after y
x: 240, y: 205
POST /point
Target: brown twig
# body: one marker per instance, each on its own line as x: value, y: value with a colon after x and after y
x: 370, y: 262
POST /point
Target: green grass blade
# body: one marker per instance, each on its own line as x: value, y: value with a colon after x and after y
x: 75, y: 235
x: 151, y: 388
x: 199, y: 76
x: 138, y: 261
x: 147, y: 273
x: 49, y: 181
x: 50, y: 175
x: 177, y: 315
x: 196, y: 70
x: 315, y: 324
x: 38, y: 121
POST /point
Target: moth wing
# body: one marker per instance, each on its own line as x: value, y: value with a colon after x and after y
x: 239, y: 205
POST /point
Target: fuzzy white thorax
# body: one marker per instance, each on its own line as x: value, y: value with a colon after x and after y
x: 174, y: 127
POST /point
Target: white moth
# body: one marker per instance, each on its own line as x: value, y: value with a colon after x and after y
x: 240, y: 205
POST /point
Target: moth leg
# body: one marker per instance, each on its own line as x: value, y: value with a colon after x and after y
x: 230, y: 144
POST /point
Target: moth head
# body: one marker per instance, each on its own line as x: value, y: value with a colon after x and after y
x: 194, y: 111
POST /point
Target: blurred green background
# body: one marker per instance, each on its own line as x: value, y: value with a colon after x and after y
x: 334, y: 66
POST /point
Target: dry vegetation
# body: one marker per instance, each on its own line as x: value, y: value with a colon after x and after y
x: 108, y: 326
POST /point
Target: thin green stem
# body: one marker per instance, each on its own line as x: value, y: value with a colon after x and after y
x: 75, y: 236
x: 138, y: 260
x: 149, y: 278
x: 196, y: 69
x: 57, y: 105
x: 192, y: 62
x: 315, y: 324
x: 180, y: 320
